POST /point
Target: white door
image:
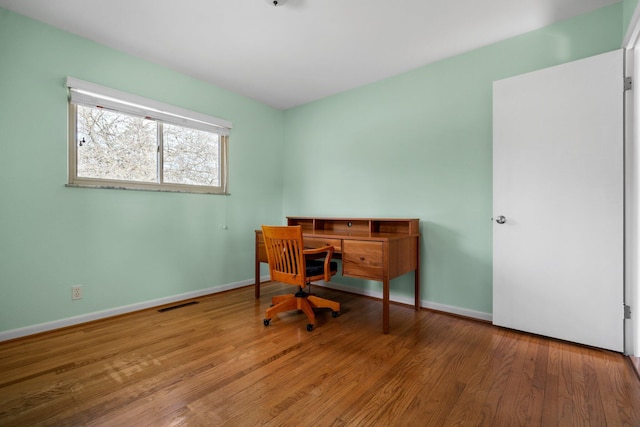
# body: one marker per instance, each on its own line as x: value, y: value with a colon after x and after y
x: 558, y: 183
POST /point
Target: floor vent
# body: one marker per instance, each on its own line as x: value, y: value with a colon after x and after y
x: 173, y: 307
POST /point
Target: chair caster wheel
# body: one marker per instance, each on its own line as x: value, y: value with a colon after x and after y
x: 309, y: 327
x: 266, y: 322
x: 335, y: 313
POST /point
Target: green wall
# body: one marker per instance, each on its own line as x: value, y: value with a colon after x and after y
x: 415, y: 145
x: 420, y: 145
x: 628, y: 7
x: 124, y: 247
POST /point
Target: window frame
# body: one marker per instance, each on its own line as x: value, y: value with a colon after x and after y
x: 159, y: 112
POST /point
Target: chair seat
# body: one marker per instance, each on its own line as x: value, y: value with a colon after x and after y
x: 316, y: 267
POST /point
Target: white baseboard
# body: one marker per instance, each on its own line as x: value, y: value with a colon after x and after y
x: 75, y: 320
x: 409, y: 301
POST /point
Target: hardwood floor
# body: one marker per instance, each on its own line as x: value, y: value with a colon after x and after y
x: 635, y: 362
x: 214, y: 363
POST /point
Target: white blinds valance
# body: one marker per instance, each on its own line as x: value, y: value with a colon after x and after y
x: 93, y: 95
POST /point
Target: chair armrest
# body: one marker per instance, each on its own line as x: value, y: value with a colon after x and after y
x: 319, y: 250
x: 327, y: 259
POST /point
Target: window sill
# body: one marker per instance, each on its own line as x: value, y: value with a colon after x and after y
x: 143, y: 187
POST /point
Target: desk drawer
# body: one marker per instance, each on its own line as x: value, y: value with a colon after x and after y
x: 261, y: 251
x: 362, y: 259
x: 316, y: 242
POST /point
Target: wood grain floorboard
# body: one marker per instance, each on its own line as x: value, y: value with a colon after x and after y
x: 215, y: 364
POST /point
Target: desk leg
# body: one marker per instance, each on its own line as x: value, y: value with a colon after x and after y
x: 257, y: 284
x: 257, y: 271
x: 417, y: 285
x: 417, y: 278
x: 385, y: 306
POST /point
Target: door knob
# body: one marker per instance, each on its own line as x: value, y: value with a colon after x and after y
x: 501, y: 219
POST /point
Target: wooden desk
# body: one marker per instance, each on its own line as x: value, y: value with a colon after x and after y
x: 370, y: 248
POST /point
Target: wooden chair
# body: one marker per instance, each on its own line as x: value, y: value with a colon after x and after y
x: 290, y: 263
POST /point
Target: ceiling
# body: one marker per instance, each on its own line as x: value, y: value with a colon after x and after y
x: 300, y: 50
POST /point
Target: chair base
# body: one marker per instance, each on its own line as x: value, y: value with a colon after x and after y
x: 300, y: 301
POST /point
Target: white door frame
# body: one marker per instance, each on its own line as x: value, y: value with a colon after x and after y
x: 631, y: 43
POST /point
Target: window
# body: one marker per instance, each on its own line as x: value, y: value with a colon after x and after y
x: 119, y: 140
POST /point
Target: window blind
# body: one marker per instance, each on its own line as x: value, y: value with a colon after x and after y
x: 93, y: 95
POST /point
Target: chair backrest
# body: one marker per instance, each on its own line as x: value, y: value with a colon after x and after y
x: 284, y: 246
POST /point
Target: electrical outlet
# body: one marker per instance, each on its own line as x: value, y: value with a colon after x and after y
x: 76, y: 292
